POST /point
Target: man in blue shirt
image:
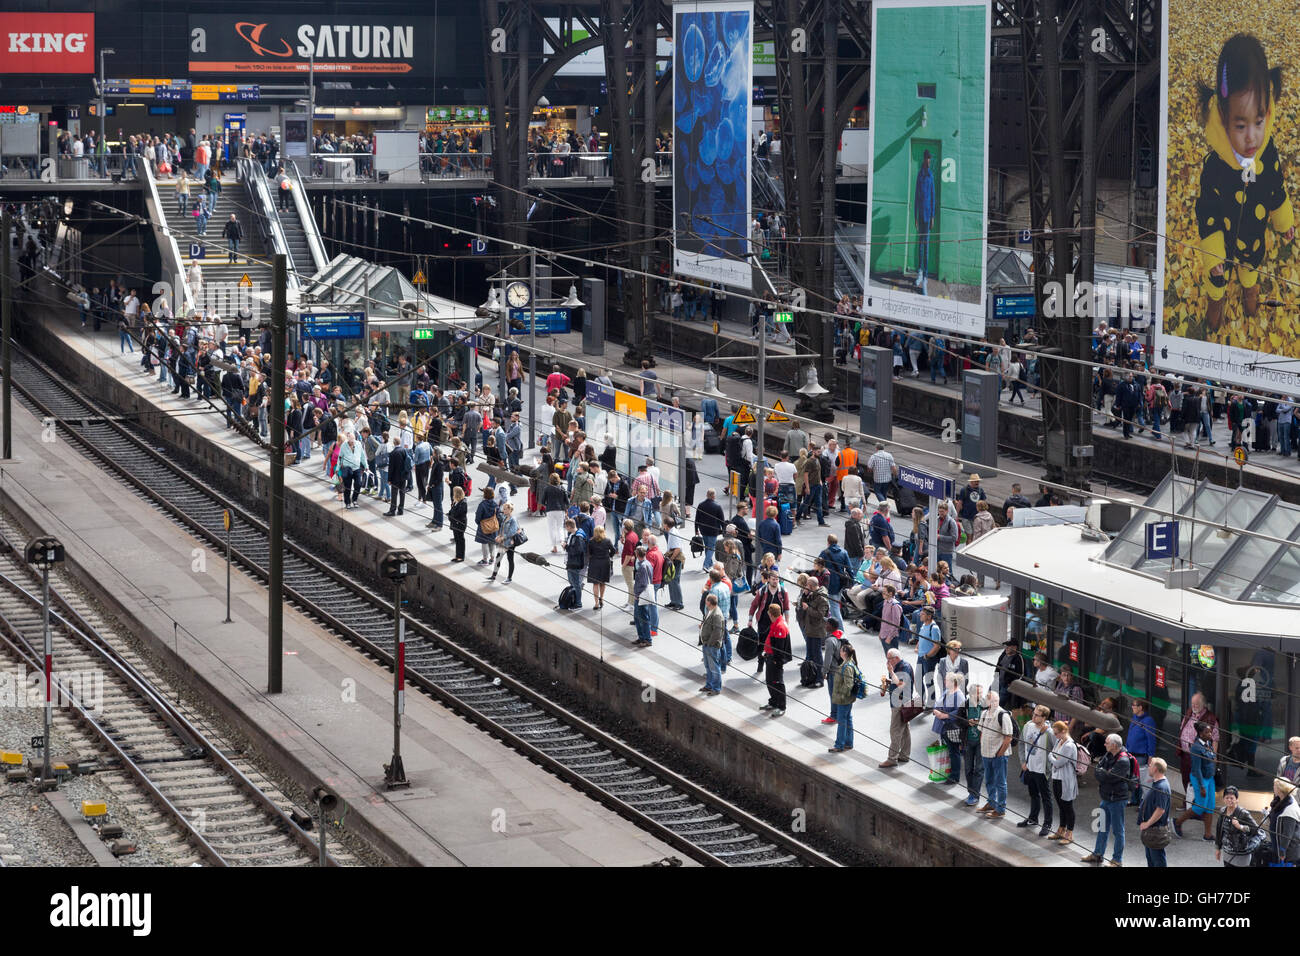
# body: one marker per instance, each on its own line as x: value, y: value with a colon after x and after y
x: 836, y: 560
x: 1154, y: 811
x: 1141, y: 745
x: 881, y: 530
x: 923, y: 212
x: 929, y: 647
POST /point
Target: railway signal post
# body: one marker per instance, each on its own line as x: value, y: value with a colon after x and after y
x: 45, y: 552
x: 396, y: 565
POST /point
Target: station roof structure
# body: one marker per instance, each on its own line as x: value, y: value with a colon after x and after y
x: 1246, y: 587
x: 349, y: 281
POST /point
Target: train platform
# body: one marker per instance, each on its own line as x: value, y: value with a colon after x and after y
x: 472, y: 801
x: 795, y: 744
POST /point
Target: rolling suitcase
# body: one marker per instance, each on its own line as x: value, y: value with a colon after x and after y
x: 787, y: 519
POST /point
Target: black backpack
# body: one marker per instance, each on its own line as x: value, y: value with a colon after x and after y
x: 568, y: 599
x: 747, y: 644
x: 734, y: 450
x: 810, y: 674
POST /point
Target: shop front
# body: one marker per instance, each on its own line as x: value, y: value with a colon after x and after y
x: 1104, y: 610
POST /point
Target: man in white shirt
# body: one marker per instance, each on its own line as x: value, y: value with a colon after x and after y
x: 131, y: 308
x: 747, y: 450
x: 785, y: 474
x: 545, y: 424
x: 883, y: 468
x: 1045, y: 675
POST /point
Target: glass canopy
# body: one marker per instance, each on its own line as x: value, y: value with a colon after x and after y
x: 1225, y: 533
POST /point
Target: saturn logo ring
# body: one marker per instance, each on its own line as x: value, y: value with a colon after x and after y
x: 251, y: 33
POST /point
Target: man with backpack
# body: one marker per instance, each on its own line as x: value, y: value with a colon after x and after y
x: 811, y: 613
x: 575, y: 559
x: 836, y: 560
x: 1116, y: 773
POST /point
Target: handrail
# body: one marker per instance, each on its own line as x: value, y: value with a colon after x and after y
x: 167, y: 248
x: 434, y: 166
x: 320, y: 258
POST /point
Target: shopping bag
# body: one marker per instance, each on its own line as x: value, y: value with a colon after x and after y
x: 940, y: 762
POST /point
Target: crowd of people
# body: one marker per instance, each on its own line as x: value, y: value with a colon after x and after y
x: 359, y: 146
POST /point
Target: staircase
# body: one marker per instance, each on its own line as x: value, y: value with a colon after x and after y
x: 295, y: 238
x: 298, y: 243
x: 849, y: 241
x: 219, y: 275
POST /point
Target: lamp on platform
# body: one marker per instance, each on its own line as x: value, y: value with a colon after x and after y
x: 711, y: 386
x: 572, y: 302
x: 812, y: 388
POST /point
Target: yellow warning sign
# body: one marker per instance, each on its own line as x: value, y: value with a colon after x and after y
x: 245, y: 282
x: 1240, y: 454
x: 745, y: 416
x: 419, y: 278
x: 778, y: 413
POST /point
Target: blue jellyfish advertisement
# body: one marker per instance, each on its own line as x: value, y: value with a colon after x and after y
x: 712, y: 75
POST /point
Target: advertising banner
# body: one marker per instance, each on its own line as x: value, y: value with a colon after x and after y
x: 47, y: 43
x: 1229, y: 268
x: 927, y: 218
x: 285, y: 43
x: 712, y: 76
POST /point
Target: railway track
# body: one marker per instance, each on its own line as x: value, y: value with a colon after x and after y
x: 198, y: 805
x: 675, y: 809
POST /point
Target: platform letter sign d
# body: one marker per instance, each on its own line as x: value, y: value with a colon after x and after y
x: 1162, y: 539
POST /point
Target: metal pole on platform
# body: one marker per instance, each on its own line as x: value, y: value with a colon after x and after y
x: 396, y: 776
x: 49, y: 667
x: 396, y: 565
x: 7, y: 281
x: 275, y: 606
x: 532, y: 348
x: 225, y: 517
x: 761, y: 449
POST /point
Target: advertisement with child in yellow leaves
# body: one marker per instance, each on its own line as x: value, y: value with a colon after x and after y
x: 1229, y: 267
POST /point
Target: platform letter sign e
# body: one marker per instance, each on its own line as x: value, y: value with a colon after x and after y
x: 1162, y: 539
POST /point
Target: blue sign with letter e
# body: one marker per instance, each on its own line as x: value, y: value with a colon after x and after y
x: 1162, y: 539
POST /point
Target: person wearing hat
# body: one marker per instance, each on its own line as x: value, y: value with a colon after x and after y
x: 953, y: 663
x: 1010, y: 667
x: 1237, y: 835
x: 968, y: 500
